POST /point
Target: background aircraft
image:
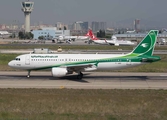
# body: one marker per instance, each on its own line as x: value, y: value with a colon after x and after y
x: 5, y: 34
x: 162, y: 41
x: 113, y: 41
x: 116, y: 42
x: 72, y: 38
x: 95, y: 40
x: 131, y: 31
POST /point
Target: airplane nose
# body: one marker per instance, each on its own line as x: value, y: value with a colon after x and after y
x: 10, y: 64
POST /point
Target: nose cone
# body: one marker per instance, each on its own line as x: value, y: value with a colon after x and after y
x: 10, y: 64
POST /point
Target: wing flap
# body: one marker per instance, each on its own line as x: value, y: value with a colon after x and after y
x: 81, y: 67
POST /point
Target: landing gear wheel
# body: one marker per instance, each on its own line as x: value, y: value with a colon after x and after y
x: 28, y: 74
x: 80, y: 76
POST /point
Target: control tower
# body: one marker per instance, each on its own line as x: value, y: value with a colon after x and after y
x: 27, y: 8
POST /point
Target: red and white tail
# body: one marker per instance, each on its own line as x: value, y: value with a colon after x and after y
x: 91, y: 35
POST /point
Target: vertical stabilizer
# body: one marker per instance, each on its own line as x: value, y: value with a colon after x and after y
x: 88, y: 33
x: 92, y: 36
x: 146, y: 46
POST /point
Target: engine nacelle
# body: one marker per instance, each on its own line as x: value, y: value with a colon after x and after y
x: 59, y: 72
x: 116, y: 44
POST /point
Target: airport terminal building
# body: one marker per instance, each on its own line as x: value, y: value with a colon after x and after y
x: 138, y: 35
x: 50, y: 33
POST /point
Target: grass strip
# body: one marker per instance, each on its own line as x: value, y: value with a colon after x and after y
x: 70, y: 104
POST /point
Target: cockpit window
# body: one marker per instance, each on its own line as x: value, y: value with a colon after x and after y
x: 17, y: 59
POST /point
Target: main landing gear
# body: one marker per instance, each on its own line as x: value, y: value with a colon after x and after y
x: 80, y: 76
x: 28, y: 73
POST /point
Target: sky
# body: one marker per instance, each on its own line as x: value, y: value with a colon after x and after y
x: 114, y: 12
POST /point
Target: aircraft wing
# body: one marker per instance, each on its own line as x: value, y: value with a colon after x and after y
x: 81, y: 67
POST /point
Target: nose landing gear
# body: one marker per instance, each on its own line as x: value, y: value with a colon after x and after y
x: 28, y: 73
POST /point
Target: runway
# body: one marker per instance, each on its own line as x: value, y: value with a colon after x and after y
x: 92, y: 80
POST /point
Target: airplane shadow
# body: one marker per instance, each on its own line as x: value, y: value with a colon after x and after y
x: 72, y: 78
x: 46, y: 77
x: 117, y: 77
x: 87, y: 77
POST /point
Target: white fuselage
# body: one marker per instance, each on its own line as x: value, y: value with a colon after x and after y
x: 102, y: 42
x: 82, y: 37
x: 113, y: 42
x: 120, y: 42
x: 73, y: 37
x: 42, y: 61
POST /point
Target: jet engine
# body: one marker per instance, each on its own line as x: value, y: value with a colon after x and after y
x: 116, y: 44
x: 59, y: 72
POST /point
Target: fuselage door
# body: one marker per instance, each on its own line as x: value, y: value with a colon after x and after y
x: 27, y: 60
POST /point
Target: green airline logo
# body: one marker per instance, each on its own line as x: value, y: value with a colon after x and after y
x: 144, y: 45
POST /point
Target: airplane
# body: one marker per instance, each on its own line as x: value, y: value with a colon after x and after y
x: 5, y: 34
x: 95, y: 40
x: 131, y: 31
x: 63, y: 37
x: 162, y: 41
x: 113, y: 41
x: 63, y: 64
x: 116, y: 42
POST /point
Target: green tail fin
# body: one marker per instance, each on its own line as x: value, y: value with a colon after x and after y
x: 146, y: 46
